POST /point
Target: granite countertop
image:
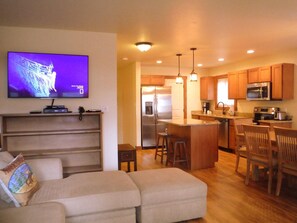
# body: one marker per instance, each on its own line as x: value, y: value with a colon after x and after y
x: 188, y: 122
x: 220, y: 115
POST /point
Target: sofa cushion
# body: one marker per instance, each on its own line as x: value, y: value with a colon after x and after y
x: 43, y: 213
x: 167, y: 185
x: 5, y: 159
x: 18, y: 181
x: 87, y: 193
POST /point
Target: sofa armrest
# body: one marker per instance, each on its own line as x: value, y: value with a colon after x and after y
x: 46, y: 169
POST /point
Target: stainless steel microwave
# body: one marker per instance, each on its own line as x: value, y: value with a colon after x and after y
x: 258, y: 91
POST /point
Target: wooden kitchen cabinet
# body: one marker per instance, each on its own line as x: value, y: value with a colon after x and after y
x: 152, y: 80
x: 203, y: 117
x: 237, y: 82
x: 206, y: 88
x: 282, y: 81
x: 259, y: 74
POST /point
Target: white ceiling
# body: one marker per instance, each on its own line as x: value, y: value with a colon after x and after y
x: 218, y: 28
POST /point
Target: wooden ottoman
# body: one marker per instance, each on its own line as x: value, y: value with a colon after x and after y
x: 169, y: 195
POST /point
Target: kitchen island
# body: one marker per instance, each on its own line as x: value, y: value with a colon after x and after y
x: 201, y: 140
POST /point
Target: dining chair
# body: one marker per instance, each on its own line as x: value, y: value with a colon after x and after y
x: 240, y: 149
x: 259, y: 150
x: 287, y: 154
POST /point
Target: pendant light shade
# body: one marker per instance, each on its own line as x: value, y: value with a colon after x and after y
x: 193, y: 74
x: 179, y: 79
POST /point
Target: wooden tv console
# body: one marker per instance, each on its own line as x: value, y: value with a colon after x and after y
x: 78, y: 143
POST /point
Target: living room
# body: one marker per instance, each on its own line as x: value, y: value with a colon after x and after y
x: 113, y: 89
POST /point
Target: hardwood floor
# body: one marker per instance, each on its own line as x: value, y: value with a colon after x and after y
x: 229, y: 199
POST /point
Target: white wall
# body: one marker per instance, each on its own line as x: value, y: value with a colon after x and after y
x: 101, y: 48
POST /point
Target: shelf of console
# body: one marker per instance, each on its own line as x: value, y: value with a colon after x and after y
x: 49, y: 152
x: 39, y: 133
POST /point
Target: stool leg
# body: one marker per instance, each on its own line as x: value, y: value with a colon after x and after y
x: 157, y: 147
x: 174, y: 154
x: 186, y: 155
x: 169, y: 148
x: 162, y: 150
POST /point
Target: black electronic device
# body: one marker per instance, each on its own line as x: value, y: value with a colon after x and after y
x: 81, y: 110
x: 93, y: 110
x: 55, y: 106
x: 55, y: 110
x: 35, y: 112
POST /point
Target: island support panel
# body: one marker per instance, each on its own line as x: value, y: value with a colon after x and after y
x: 202, y: 144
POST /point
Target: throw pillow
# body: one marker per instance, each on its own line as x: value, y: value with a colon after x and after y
x: 5, y: 159
x: 18, y: 181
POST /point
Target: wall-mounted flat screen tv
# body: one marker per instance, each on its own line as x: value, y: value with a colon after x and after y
x: 45, y: 75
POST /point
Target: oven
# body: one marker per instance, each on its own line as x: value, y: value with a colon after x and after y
x: 258, y: 91
x: 264, y: 113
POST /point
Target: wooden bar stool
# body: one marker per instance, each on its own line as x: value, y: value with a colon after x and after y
x: 177, y: 151
x: 163, y: 150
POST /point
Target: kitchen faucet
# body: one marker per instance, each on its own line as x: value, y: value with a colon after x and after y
x: 220, y: 102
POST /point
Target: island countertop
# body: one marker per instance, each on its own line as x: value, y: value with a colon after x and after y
x: 188, y: 122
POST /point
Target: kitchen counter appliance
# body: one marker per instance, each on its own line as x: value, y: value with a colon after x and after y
x: 258, y: 91
x: 223, y: 140
x: 280, y: 115
x: 265, y: 113
x: 156, y: 104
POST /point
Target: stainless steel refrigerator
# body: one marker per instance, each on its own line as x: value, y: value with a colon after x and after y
x: 156, y: 104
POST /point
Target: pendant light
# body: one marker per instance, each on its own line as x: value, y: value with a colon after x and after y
x: 193, y: 75
x: 179, y: 79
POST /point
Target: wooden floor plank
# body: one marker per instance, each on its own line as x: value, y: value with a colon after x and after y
x: 229, y: 199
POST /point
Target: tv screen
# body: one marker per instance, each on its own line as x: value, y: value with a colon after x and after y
x: 45, y: 75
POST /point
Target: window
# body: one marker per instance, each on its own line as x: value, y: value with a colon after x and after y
x: 222, y: 92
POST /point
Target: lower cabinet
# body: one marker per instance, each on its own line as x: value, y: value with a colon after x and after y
x: 76, y: 141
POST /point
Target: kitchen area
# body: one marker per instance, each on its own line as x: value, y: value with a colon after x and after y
x: 263, y: 100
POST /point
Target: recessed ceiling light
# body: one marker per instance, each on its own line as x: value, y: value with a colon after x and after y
x: 250, y: 51
x: 199, y: 65
x: 125, y: 58
x: 159, y: 61
x: 221, y: 59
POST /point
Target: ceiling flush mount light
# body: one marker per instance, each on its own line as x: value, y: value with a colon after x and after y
x: 193, y: 75
x: 143, y: 46
x: 250, y: 51
x: 221, y: 59
x: 179, y: 79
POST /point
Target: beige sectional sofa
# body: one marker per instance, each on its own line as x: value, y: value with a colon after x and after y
x: 110, y: 196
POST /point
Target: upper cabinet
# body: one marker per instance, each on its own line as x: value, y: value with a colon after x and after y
x: 152, y: 80
x: 259, y: 74
x: 206, y: 88
x: 282, y: 76
x: 237, y: 82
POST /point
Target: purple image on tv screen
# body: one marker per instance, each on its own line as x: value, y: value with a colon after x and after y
x: 43, y: 75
